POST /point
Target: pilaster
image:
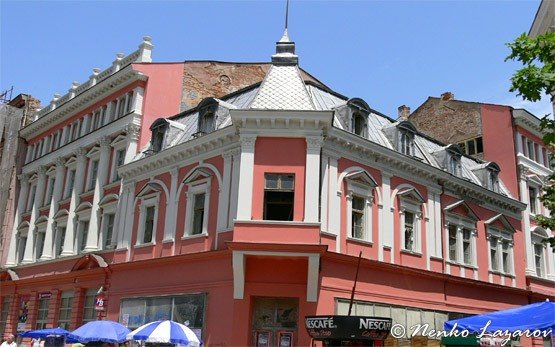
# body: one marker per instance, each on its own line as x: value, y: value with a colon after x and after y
x: 23, y: 192
x: 74, y: 202
x: 244, y: 208
x: 39, y: 197
x: 56, y: 195
x: 312, y: 185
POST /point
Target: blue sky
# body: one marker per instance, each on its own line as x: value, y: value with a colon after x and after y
x: 387, y: 52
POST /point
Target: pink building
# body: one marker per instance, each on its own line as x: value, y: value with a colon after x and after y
x: 247, y: 212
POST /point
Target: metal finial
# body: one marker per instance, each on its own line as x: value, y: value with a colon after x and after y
x: 286, y: 13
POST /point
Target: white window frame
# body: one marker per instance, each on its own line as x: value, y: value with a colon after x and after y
x: 72, y: 166
x: 50, y: 183
x: 461, y: 224
x: 32, y: 195
x: 22, y: 236
x: 407, y: 205
x: 60, y: 224
x: 67, y: 294
x: 148, y: 201
x: 193, y: 189
x: 500, y: 236
x: 39, y: 241
x: 365, y: 192
x: 118, y: 145
x: 537, y: 241
x: 107, y: 209
x: 82, y: 218
x: 409, y: 141
x: 92, y: 158
x: 537, y: 205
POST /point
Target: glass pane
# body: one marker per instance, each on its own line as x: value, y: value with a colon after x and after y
x: 158, y: 309
x: 271, y: 181
x: 287, y: 181
x: 189, y: 308
x: 134, y: 309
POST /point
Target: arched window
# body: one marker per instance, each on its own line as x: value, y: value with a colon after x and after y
x: 359, y: 124
x: 158, y: 129
x: 207, y: 116
x: 406, y: 138
x: 359, y: 111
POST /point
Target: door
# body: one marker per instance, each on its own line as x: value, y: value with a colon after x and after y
x: 275, y: 322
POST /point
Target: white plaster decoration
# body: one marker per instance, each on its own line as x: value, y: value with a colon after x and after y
x: 386, y: 217
x: 137, y: 101
x: 117, y: 63
x: 324, y: 195
x: 145, y: 50
x: 39, y: 197
x: 312, y: 185
x: 334, y: 217
x: 225, y: 188
x: 246, y: 176
x: 129, y: 217
x: 133, y: 132
x: 24, y: 190
x: 171, y: 207
x: 102, y: 176
x: 56, y: 196
x: 81, y: 158
x: 524, y: 197
x: 234, y: 189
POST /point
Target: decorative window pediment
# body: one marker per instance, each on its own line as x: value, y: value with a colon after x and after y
x: 109, y: 199
x: 197, y: 174
x: 89, y: 261
x: 462, y: 209
x: 149, y: 189
x: 361, y: 177
x: 83, y: 207
x: 93, y: 152
x: 63, y: 213
x: 119, y: 140
x: 411, y: 194
x: 42, y: 220
x: 500, y: 222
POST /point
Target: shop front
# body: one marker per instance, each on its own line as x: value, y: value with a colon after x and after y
x: 339, y: 331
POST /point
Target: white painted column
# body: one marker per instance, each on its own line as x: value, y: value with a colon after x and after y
x: 133, y: 132
x: 234, y: 189
x: 137, y: 102
x: 386, y: 218
x: 23, y: 192
x: 524, y: 197
x: 550, y: 262
x: 119, y: 222
x: 223, y: 200
x: 246, y: 176
x: 102, y: 177
x: 434, y: 223
x: 56, y: 196
x: 129, y: 214
x: 171, y: 207
x: 74, y: 202
x: 312, y: 184
x: 334, y: 216
x: 28, y: 257
x: 324, y: 196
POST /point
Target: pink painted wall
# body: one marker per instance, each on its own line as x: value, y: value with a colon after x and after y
x: 162, y: 96
x: 279, y: 155
x: 499, y: 143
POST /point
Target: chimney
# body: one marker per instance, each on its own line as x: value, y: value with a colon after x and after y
x: 404, y: 112
x: 447, y: 96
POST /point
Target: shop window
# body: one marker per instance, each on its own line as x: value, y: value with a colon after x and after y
x: 279, y: 193
x: 179, y: 308
x: 89, y: 313
x: 4, y: 312
x: 66, y: 302
x: 42, y: 313
x: 273, y: 318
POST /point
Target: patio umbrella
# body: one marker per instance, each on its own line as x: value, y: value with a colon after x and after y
x: 539, y: 316
x: 43, y: 333
x: 100, y: 330
x: 166, y: 331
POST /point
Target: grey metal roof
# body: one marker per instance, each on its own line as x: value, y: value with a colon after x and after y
x: 323, y: 100
x: 243, y: 100
x: 283, y: 89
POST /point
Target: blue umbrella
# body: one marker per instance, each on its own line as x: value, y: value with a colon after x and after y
x: 166, y: 331
x: 42, y: 333
x: 539, y: 316
x: 100, y: 330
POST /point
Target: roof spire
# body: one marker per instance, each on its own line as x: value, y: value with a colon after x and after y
x: 285, y: 48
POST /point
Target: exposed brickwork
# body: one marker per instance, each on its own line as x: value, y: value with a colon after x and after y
x: 449, y: 121
x: 215, y: 79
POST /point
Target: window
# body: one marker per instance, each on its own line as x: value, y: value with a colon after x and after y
x: 118, y: 161
x: 453, y: 167
x: 531, y: 151
x: 66, y: 302
x: 49, y: 191
x: 39, y: 243
x: 70, y: 182
x: 88, y: 306
x: 42, y: 313
x: 149, y: 224
x: 83, y: 235
x: 467, y: 246
x: 359, y: 124
x: 198, y: 213
x: 279, y: 194
x: 108, y: 229
x: 21, y: 244
x: 538, y: 259
x: 128, y: 102
x: 93, y: 174
x: 452, y: 242
x: 493, y: 253
x: 493, y: 180
x: 357, y: 217
x: 4, y: 312
x: 409, y: 231
x: 179, y: 308
x: 207, y: 123
x: 60, y: 239
x: 31, y: 197
x: 67, y: 136
x: 406, y: 143
x: 533, y: 199
x: 506, y: 256
x: 76, y: 130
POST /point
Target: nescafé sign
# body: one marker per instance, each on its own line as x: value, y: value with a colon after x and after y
x: 347, y: 327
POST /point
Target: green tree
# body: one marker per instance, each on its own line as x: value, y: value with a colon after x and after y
x: 535, y: 78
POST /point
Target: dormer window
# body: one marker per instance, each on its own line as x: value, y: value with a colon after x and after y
x: 453, y: 159
x: 406, y: 138
x: 359, y: 111
x: 493, y: 180
x: 453, y: 167
x: 488, y: 173
x: 158, y: 129
x: 207, y: 116
x: 359, y: 124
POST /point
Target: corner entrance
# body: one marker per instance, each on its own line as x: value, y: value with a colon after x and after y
x: 275, y: 322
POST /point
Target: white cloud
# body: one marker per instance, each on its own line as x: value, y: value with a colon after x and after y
x: 539, y: 108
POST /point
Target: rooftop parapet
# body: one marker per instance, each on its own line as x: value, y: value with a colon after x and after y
x: 141, y: 55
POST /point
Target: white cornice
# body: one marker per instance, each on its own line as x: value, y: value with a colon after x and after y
x: 533, y: 166
x: 80, y: 102
x: 420, y: 172
x: 184, y: 154
x: 282, y: 122
x: 528, y: 122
